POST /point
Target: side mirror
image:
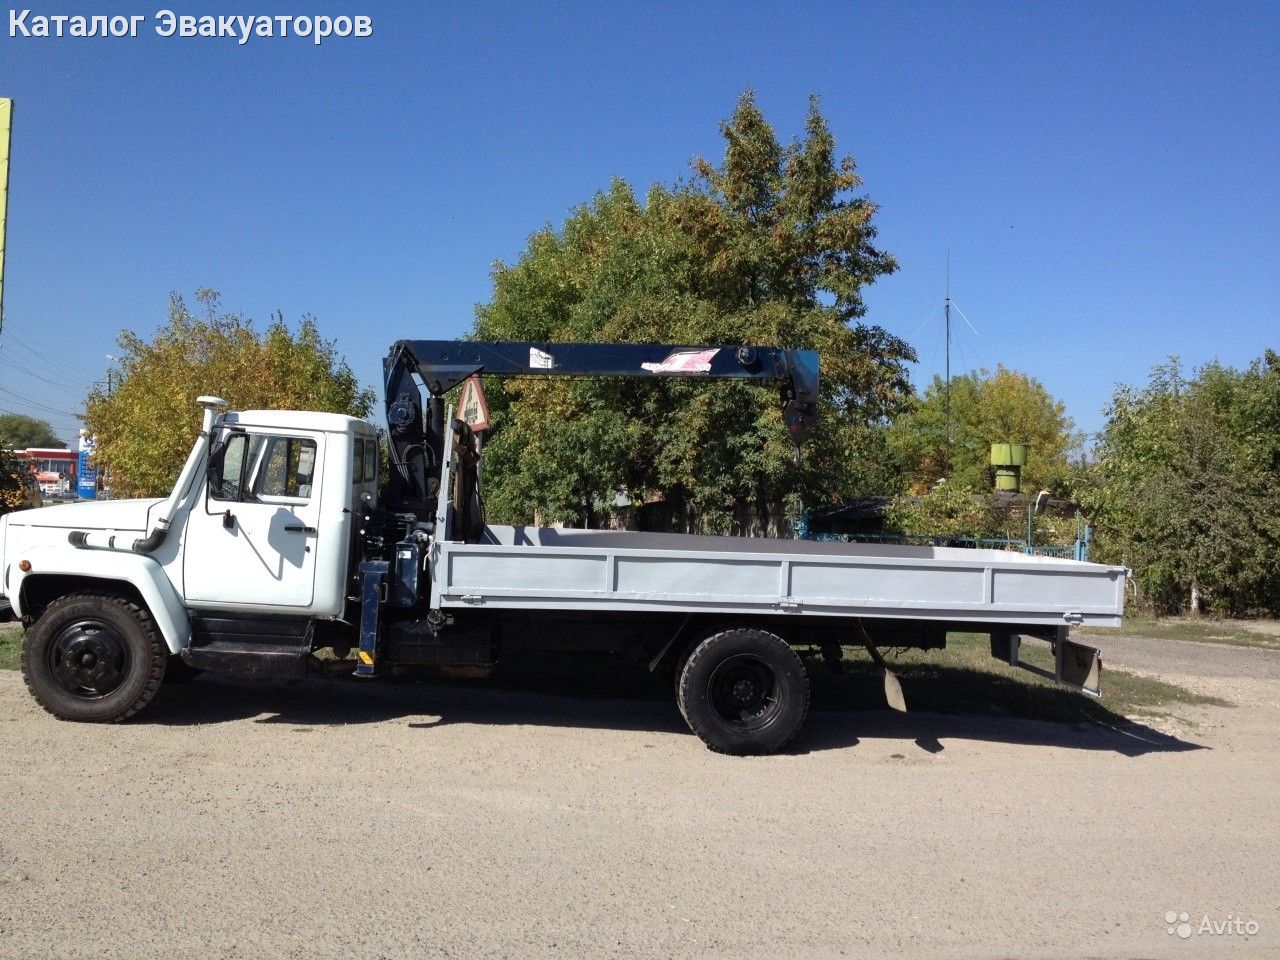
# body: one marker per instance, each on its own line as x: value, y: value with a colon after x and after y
x: 229, y: 451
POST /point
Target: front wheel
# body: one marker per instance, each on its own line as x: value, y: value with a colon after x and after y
x: 744, y: 691
x: 93, y: 657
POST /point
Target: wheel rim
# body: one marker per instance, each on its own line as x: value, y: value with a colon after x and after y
x: 88, y: 659
x: 745, y: 693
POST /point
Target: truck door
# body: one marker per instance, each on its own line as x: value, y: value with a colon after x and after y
x: 252, y: 542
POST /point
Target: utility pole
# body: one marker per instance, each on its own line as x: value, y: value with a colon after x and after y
x: 6, y: 128
x: 106, y: 483
x: 946, y: 396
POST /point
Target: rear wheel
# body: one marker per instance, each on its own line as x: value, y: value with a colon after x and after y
x: 93, y: 657
x: 744, y: 691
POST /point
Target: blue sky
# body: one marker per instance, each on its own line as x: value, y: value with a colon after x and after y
x: 1104, y: 175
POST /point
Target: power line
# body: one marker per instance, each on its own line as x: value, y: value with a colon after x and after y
x: 24, y: 396
x: 76, y: 369
x: 53, y: 420
x: 19, y: 341
x: 37, y: 404
x: 56, y: 383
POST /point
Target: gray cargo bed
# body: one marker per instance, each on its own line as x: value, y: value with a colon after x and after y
x: 554, y: 569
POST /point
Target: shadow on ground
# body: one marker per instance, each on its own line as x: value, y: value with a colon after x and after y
x: 606, y: 693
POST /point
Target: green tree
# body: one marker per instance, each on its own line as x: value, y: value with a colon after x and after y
x: 145, y: 427
x: 772, y: 246
x: 986, y: 408
x: 950, y: 510
x: 1186, y: 487
x: 18, y: 432
x: 12, y: 472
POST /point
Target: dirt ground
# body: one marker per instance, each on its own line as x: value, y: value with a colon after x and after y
x: 457, y: 819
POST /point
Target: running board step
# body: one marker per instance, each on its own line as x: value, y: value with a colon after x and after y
x: 276, y: 648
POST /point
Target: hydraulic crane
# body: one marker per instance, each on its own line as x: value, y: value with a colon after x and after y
x: 417, y: 435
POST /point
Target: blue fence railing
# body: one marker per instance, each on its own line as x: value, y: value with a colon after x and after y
x: 1073, y: 551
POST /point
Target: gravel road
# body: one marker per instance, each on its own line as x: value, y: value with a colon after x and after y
x: 332, y: 819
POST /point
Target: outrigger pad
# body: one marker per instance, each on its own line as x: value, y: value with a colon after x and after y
x: 1074, y: 664
x: 1079, y: 666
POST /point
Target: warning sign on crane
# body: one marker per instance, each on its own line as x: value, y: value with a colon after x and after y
x: 472, y: 410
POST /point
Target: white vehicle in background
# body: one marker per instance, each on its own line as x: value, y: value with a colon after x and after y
x: 276, y: 542
x: 52, y: 484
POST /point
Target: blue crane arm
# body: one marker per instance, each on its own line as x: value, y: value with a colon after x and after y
x: 441, y: 365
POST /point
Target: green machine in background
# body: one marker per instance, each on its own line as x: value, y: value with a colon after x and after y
x: 6, y: 128
x: 1008, y: 459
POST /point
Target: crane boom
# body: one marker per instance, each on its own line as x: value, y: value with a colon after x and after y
x: 417, y: 436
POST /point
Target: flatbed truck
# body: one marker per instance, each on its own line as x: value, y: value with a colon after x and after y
x: 277, y: 542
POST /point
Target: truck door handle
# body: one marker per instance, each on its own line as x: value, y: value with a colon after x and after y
x: 298, y: 528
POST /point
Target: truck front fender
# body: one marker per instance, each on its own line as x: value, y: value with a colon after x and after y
x: 65, y: 571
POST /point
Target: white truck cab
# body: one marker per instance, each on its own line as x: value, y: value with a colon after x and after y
x: 275, y: 535
x: 261, y: 522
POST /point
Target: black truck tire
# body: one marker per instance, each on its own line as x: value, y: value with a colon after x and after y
x: 744, y: 691
x: 94, y: 657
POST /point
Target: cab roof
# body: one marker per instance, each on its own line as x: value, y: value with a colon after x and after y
x: 299, y: 419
